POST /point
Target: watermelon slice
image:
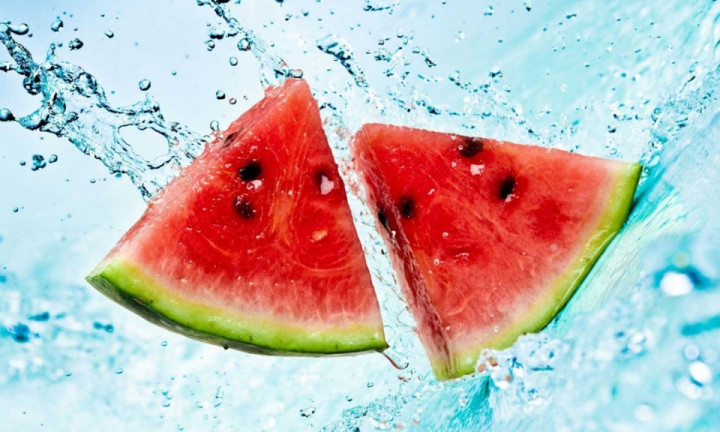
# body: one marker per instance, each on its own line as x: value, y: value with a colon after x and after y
x: 254, y: 246
x: 491, y: 238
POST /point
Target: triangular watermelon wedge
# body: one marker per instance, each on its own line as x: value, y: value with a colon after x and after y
x: 254, y: 246
x: 491, y: 238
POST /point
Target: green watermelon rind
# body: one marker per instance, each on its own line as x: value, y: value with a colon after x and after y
x: 128, y: 285
x: 619, y: 201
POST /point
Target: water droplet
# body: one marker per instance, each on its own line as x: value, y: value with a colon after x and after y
x: 19, y: 29
x: 53, y: 158
x: 75, y: 44
x: 674, y: 283
x: 15, y: 209
x: 232, y: 101
x: 307, y: 412
x: 489, y: 11
x: 38, y: 162
x: 691, y: 352
x: 244, y: 44
x: 210, y: 45
x: 370, y: 384
x: 220, y: 95
x: 119, y: 371
x: 57, y: 26
x: 233, y: 61
x: 215, y: 125
x: 216, y: 33
x: 144, y: 84
x: 348, y: 398
x: 109, y: 34
x: 700, y: 373
x: 6, y: 115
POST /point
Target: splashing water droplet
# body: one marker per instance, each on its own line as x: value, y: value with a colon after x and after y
x: 674, y: 283
x: 244, y: 44
x: 216, y: 33
x: 19, y: 29
x: 144, y: 84
x: 233, y: 61
x: 6, y: 115
x: 219, y: 95
x: 38, y: 162
x: 700, y: 373
x: 109, y: 34
x: 232, y: 101
x: 210, y: 44
x: 75, y: 44
x: 215, y: 125
x: 57, y: 26
x: 341, y: 51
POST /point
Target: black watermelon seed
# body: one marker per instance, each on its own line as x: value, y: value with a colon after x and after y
x: 383, y: 219
x: 471, y: 147
x: 230, y: 138
x: 406, y: 205
x: 507, y: 187
x: 250, y: 171
x: 244, y: 208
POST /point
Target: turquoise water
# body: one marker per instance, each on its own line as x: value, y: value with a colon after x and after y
x: 140, y: 86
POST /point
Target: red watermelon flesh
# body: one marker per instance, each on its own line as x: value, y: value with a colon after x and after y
x: 254, y: 246
x: 491, y: 237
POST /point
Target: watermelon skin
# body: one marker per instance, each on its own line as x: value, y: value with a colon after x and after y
x: 253, y: 247
x: 490, y: 238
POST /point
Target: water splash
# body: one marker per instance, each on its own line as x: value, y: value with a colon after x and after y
x: 74, y: 106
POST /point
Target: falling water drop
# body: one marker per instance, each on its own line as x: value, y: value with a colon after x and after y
x: 109, y: 34
x: 57, y: 26
x: 233, y: 61
x: 75, y: 44
x: 220, y: 95
x: 19, y: 29
x: 6, y: 115
x: 144, y: 84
